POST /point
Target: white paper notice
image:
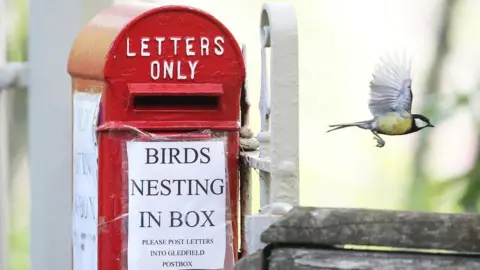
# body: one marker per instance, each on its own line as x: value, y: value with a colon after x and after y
x: 85, y: 181
x: 177, y: 195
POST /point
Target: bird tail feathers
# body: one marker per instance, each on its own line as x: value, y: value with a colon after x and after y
x: 361, y: 124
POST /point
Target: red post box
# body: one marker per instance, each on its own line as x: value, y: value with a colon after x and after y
x: 169, y: 79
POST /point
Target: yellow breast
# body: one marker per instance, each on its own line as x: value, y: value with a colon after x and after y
x: 394, y: 124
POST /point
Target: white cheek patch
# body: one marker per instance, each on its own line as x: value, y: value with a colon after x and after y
x: 420, y: 123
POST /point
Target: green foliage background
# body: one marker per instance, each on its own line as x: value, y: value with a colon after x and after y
x: 18, y: 52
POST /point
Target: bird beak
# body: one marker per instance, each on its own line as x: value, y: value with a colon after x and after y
x: 430, y: 125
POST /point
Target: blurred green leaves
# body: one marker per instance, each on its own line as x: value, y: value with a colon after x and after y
x: 423, y: 189
x: 471, y: 196
x: 18, y: 52
x: 419, y: 187
x: 18, y: 34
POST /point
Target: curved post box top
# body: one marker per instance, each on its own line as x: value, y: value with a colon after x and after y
x: 160, y: 63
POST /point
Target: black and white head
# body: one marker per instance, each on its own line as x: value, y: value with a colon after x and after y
x: 420, y: 121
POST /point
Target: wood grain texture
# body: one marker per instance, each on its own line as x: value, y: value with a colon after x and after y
x: 310, y: 259
x: 250, y: 262
x: 402, y: 229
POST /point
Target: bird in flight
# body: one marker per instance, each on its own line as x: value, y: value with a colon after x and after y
x: 390, y: 102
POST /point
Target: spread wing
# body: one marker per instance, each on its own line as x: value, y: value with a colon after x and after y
x: 391, y: 87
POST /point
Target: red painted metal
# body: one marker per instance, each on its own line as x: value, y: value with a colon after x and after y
x: 213, y: 96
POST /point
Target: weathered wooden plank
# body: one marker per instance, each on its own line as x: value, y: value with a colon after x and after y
x: 251, y: 262
x: 340, y: 226
x: 310, y: 259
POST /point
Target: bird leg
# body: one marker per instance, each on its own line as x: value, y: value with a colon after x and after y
x: 380, y: 141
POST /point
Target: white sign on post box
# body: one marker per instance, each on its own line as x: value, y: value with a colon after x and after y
x: 85, y: 180
x: 177, y: 196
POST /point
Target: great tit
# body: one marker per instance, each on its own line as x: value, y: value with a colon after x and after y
x: 390, y: 102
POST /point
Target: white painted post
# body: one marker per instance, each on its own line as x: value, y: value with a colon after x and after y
x: 264, y: 107
x: 279, y: 33
x: 278, y: 156
x: 4, y: 148
x: 51, y: 35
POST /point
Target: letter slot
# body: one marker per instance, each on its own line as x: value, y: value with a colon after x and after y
x: 174, y: 97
